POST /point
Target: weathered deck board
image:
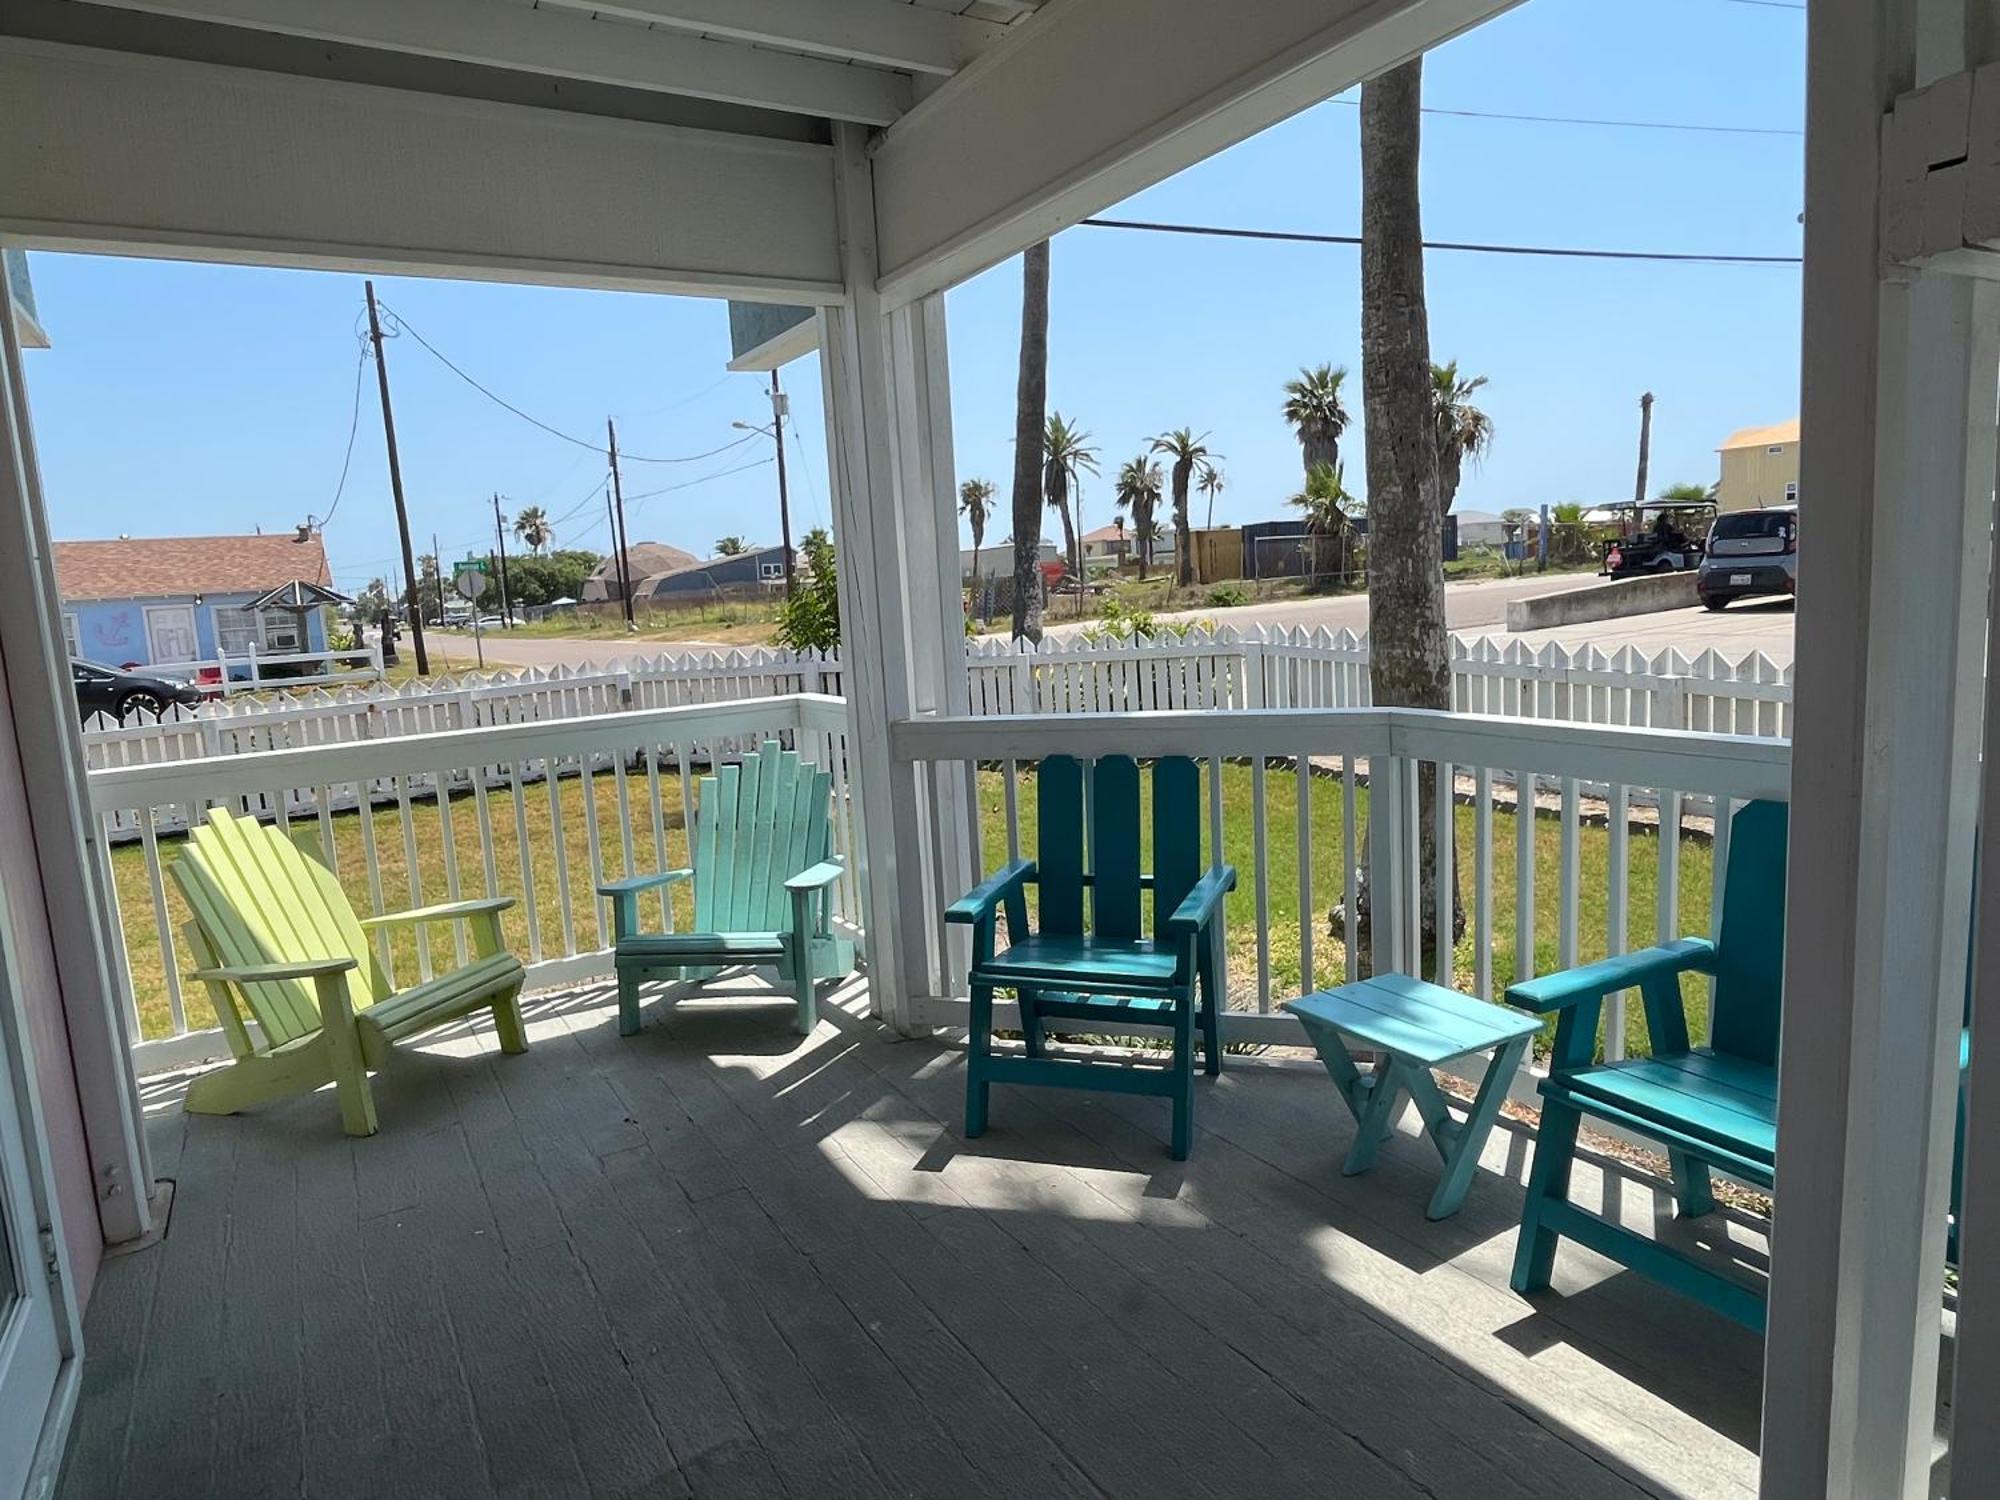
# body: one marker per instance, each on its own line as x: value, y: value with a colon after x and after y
x: 716, y: 1259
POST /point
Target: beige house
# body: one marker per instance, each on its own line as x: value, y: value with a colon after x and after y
x: 1760, y: 466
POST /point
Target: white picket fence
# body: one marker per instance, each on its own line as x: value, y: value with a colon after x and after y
x: 1202, y: 671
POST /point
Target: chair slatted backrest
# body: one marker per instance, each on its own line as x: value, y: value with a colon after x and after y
x: 261, y: 899
x: 1750, y: 943
x: 758, y: 824
x: 1116, y: 875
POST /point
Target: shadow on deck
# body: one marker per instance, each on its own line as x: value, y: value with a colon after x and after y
x: 720, y: 1259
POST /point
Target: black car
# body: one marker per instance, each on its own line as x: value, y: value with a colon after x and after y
x: 122, y: 694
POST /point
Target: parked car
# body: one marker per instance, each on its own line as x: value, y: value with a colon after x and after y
x: 1752, y: 554
x: 122, y: 693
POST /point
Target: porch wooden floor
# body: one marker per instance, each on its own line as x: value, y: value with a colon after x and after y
x: 718, y: 1259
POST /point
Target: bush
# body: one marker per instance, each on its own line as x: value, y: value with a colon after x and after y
x: 810, y: 619
x: 1226, y: 596
x: 1122, y: 624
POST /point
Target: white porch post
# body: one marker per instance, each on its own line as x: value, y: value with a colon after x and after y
x: 66, y: 836
x: 1898, y: 412
x: 889, y: 434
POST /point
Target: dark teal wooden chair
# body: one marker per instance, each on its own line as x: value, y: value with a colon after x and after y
x: 1093, y: 955
x: 1709, y: 1107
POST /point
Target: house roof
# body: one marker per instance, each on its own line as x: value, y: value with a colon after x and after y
x: 1104, y: 534
x: 170, y: 567
x: 646, y: 559
x: 1762, y: 437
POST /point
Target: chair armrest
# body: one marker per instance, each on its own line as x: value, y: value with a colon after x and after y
x: 305, y: 968
x: 818, y: 878
x: 1608, y: 976
x: 984, y: 899
x: 450, y: 911
x: 1198, y: 906
x: 633, y: 884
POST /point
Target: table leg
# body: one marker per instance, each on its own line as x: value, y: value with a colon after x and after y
x: 1463, y: 1157
x: 1373, y: 1123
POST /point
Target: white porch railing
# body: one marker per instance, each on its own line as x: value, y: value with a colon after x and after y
x: 1298, y: 840
x: 540, y: 811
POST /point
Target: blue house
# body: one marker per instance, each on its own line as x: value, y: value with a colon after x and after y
x: 183, y: 601
x: 745, y: 572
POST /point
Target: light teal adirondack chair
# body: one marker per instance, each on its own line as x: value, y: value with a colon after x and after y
x: 762, y: 873
x: 1107, y: 970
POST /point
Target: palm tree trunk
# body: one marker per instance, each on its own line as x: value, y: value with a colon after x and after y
x: 1031, y: 399
x: 1409, y: 655
x: 1183, y: 536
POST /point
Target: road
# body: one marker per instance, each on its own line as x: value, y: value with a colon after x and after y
x: 1472, y: 608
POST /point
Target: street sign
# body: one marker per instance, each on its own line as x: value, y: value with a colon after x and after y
x: 470, y: 582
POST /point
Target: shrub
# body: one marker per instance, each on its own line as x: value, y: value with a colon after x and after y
x: 1226, y: 596
x: 810, y: 619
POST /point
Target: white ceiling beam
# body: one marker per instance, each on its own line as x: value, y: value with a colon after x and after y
x: 151, y: 156
x: 887, y: 33
x: 567, y: 45
x: 1089, y: 101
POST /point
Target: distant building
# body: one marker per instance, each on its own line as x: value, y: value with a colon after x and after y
x: 1110, y: 544
x: 158, y: 601
x: 646, y: 559
x: 760, y: 567
x: 996, y: 559
x: 1760, y: 466
x: 1480, y: 528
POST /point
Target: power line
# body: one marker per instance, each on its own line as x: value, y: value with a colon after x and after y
x: 1608, y: 124
x: 353, y: 426
x: 1562, y: 251
x: 595, y: 490
x: 1769, y: 4
x: 403, y: 325
x: 688, y: 484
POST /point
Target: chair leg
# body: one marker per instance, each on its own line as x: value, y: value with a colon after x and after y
x: 628, y: 1003
x: 1548, y: 1182
x: 807, y: 996
x: 1212, y: 1003
x: 507, y: 1021
x: 1183, y: 1068
x: 1031, y: 1021
x: 979, y: 1045
x: 1693, y: 1194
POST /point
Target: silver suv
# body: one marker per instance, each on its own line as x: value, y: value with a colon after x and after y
x: 1751, y: 554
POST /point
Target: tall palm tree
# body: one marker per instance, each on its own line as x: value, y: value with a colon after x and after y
x: 1066, y: 457
x: 1138, y: 492
x: 532, y: 526
x: 731, y: 546
x: 1330, y: 510
x: 1314, y: 407
x: 1031, y: 397
x: 975, y: 503
x: 1211, y: 484
x: 1463, y: 430
x: 1187, y: 452
x: 1409, y: 659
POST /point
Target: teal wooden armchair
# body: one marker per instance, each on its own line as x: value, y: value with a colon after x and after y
x: 763, y: 872
x: 1115, y: 966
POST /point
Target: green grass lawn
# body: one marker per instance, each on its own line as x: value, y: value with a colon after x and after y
x: 427, y: 829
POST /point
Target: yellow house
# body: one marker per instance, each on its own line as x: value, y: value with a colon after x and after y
x: 1760, y: 466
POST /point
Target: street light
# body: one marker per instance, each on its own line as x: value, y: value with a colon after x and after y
x: 780, y: 405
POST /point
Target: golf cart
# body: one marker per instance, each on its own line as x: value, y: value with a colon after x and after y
x: 1660, y: 536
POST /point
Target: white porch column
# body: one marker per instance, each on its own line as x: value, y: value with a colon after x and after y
x: 888, y: 403
x: 1898, y: 420
x: 80, y: 910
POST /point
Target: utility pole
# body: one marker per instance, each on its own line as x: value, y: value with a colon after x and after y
x: 1645, y: 446
x: 780, y: 406
x: 396, y: 486
x: 437, y: 558
x: 618, y: 526
x: 500, y: 531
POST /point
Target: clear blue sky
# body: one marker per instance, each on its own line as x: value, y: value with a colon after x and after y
x: 190, y: 399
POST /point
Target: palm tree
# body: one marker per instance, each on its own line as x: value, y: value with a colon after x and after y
x: 975, y: 503
x: 1409, y: 658
x: 1330, y: 510
x: 1031, y: 396
x: 1066, y: 457
x: 1187, y: 451
x: 532, y: 526
x: 1318, y: 415
x: 1138, y: 491
x: 1211, y: 484
x: 1463, y: 430
x: 1688, y: 493
x: 730, y: 546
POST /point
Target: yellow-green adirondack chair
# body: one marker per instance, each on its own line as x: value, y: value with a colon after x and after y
x: 274, y: 930
x: 763, y: 860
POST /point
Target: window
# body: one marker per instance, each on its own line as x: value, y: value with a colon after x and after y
x: 69, y: 635
x: 770, y: 571
x: 236, y: 630
x: 1775, y: 448
x: 1792, y: 491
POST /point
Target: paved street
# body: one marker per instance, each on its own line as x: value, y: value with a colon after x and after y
x: 1476, y: 608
